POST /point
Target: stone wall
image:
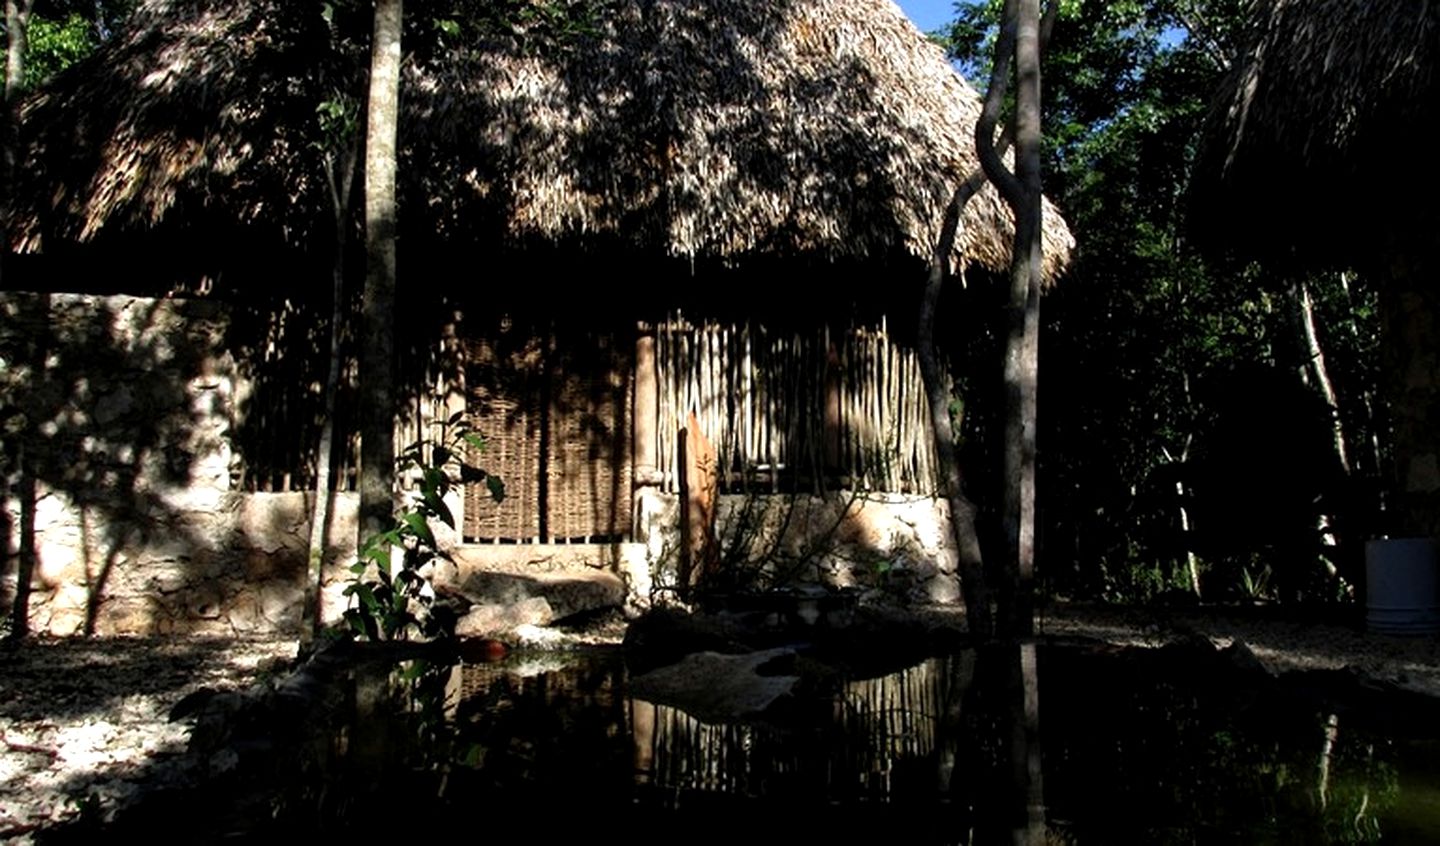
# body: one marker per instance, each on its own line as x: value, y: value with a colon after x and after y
x: 122, y: 413
x: 895, y: 543
x: 121, y: 410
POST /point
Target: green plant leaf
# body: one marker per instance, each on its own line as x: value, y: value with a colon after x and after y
x: 442, y: 513
x: 496, y: 487
x: 432, y: 481
x: 380, y: 557
x: 419, y: 527
x: 366, y: 595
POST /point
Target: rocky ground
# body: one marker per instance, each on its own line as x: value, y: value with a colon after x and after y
x: 1282, y: 642
x: 84, y: 724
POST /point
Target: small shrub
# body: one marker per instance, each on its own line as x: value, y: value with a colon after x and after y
x: 392, y: 600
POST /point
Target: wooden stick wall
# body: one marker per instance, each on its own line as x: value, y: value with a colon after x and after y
x: 799, y: 409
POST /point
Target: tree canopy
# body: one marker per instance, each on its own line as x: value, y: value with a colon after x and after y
x: 1164, y: 372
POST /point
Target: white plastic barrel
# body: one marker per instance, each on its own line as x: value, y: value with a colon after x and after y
x: 1401, y: 586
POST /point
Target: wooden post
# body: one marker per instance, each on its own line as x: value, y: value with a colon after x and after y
x: 699, y: 489
x: 646, y: 411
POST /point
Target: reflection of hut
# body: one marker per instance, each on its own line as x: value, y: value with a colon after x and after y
x: 1307, y: 162
x: 877, y: 731
x: 597, y: 210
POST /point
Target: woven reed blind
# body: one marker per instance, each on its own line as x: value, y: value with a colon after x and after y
x: 553, y: 404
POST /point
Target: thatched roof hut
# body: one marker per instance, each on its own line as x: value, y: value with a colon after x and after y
x: 1316, y: 147
x: 762, y: 143
x: 732, y: 128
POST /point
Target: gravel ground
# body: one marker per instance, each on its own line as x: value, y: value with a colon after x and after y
x: 84, y: 728
x: 1281, y: 644
x: 83, y: 723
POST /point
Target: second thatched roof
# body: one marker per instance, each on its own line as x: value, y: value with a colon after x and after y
x: 727, y: 128
x: 1318, y: 145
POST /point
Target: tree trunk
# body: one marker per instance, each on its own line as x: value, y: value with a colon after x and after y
x: 17, y: 18
x: 937, y: 392
x: 377, y: 357
x: 1020, y: 34
x: 1023, y: 346
x: 1367, y: 394
x: 325, y: 451
x: 25, y: 568
x: 1327, y: 752
x: 1314, y: 372
x: 1408, y: 303
x: 1192, y: 564
x: 1303, y: 315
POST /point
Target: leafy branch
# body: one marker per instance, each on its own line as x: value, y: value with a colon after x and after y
x: 392, y: 599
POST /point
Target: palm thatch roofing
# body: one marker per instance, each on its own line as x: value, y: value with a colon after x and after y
x: 1318, y: 143
x: 725, y: 129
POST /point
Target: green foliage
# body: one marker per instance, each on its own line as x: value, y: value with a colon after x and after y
x: 1142, y: 337
x: 339, y: 118
x: 1129, y: 578
x: 392, y: 599
x: 56, y: 45
x: 63, y: 32
x: 1255, y: 581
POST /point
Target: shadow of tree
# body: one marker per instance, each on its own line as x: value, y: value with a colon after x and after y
x: 88, y: 717
x: 117, y: 414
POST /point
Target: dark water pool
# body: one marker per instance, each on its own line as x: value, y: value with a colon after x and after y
x: 1028, y: 744
x: 1031, y: 744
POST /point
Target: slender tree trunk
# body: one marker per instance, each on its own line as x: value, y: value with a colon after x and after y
x: 377, y: 358
x: 17, y: 19
x: 1019, y: 46
x: 1377, y: 461
x: 1023, y: 349
x: 1192, y: 564
x: 1327, y: 751
x: 25, y: 569
x: 1303, y: 309
x: 325, y: 451
x: 937, y: 392
x: 1314, y: 372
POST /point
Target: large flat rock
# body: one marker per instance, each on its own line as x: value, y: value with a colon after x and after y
x: 566, y: 593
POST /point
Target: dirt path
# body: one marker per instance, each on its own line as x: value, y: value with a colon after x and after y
x: 83, y: 723
x: 1412, y: 663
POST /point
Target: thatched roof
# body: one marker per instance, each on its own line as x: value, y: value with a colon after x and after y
x: 1319, y: 141
x: 726, y: 128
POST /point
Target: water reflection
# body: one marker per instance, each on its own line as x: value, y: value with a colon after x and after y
x: 951, y: 748
x: 1149, y: 747
x: 894, y: 739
